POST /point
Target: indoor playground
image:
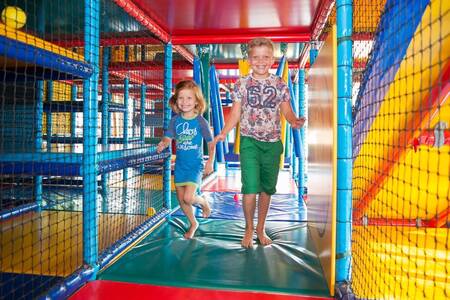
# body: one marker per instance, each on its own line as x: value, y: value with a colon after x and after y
x: 88, y: 208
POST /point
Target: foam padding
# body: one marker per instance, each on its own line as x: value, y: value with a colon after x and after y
x: 215, y: 259
x: 284, y: 207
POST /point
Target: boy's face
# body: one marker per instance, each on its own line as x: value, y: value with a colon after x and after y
x: 260, y: 59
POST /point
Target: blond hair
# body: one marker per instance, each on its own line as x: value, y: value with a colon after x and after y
x: 259, y: 42
x: 200, y: 106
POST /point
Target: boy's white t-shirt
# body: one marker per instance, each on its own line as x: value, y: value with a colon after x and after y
x: 260, y: 106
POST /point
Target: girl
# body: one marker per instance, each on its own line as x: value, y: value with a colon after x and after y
x: 189, y: 128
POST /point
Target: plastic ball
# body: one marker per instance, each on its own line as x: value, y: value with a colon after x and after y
x: 151, y: 211
x: 13, y: 16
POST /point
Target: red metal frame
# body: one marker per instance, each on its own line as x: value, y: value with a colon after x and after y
x: 240, y: 37
x: 111, y: 41
x: 320, y: 20
x: 140, y: 16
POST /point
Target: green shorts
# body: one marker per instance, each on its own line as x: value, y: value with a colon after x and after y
x: 260, y: 164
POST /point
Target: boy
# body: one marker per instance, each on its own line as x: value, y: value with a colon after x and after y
x: 257, y: 102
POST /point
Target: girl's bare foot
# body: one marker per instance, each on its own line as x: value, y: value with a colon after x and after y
x: 263, y: 238
x: 206, y: 209
x: 190, y: 233
x: 247, y: 240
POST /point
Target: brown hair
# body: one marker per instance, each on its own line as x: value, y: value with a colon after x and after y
x: 191, y: 85
x: 258, y: 42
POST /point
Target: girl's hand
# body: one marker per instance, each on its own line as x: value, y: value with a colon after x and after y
x: 208, y: 167
x: 161, y: 146
x: 298, y: 123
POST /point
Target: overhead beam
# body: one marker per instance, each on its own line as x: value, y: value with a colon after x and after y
x: 239, y: 37
x: 140, y: 16
x: 321, y: 18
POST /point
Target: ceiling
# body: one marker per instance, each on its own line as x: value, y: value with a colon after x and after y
x: 232, y: 21
x: 227, y: 24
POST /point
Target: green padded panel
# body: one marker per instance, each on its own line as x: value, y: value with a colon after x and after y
x: 215, y: 259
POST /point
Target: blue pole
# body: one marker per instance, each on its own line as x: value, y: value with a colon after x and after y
x: 313, y: 55
x: 39, y: 109
x: 109, y: 116
x: 166, y: 120
x: 38, y: 141
x: 133, y: 127
x: 142, y: 128
x: 105, y: 123
x: 302, y: 112
x: 126, y: 96
x: 221, y: 116
x: 344, y: 148
x: 73, y: 115
x: 197, y: 70
x: 90, y: 108
x: 215, y: 112
x: 281, y: 66
x: 49, y: 115
x: 295, y: 159
x: 105, y: 97
x: 293, y: 135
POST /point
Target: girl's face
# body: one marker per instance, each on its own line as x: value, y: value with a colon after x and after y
x: 186, y: 101
x: 260, y: 60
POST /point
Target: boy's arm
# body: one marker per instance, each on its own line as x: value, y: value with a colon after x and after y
x: 231, y: 122
x: 163, y: 144
x: 209, y: 167
x: 287, y: 112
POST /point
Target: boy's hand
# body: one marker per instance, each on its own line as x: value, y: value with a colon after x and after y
x: 298, y: 123
x: 220, y: 137
x: 161, y: 146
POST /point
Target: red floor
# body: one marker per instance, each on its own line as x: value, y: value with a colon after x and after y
x: 102, y: 289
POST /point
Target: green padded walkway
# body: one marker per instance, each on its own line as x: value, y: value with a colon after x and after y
x: 215, y: 259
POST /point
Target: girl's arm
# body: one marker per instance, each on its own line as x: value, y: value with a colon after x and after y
x: 287, y: 112
x: 231, y: 122
x: 165, y: 142
x: 209, y: 166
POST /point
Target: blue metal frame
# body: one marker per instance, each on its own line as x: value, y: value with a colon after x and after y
x: 302, y: 112
x: 142, y: 129
x: 105, y: 96
x: 126, y: 97
x: 215, y: 103
x: 39, y: 135
x: 29, y: 54
x: 49, y: 99
x: 90, y: 108
x: 197, y: 71
x: 344, y: 10
x: 167, y: 116
x: 73, y: 98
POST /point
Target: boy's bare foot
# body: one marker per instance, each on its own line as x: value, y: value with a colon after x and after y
x: 190, y: 233
x: 263, y: 238
x: 247, y: 240
x: 206, y: 209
